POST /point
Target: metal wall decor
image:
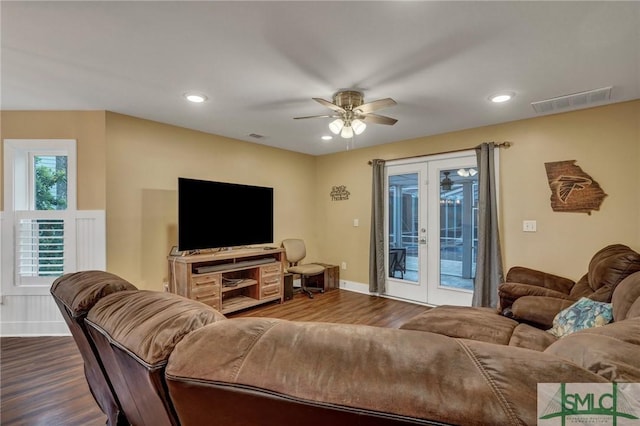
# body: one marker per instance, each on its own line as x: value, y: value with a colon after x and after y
x: 572, y: 190
x: 339, y: 193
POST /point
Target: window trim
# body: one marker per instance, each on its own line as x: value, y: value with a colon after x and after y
x: 19, y: 153
x: 18, y: 157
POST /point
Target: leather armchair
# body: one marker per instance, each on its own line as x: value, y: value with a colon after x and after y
x: 75, y: 294
x: 536, y: 297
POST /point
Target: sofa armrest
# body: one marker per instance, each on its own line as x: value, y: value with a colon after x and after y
x: 521, y: 274
x: 509, y: 292
x: 539, y: 310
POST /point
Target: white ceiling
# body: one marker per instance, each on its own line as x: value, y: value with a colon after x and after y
x: 260, y: 63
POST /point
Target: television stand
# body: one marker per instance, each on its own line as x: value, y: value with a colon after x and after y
x: 229, y: 280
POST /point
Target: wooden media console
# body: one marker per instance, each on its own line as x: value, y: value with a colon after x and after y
x: 229, y: 280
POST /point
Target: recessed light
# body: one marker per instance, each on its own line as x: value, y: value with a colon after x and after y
x: 499, y: 98
x: 196, y: 98
x: 327, y: 138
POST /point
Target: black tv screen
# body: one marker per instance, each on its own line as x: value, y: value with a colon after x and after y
x: 219, y: 214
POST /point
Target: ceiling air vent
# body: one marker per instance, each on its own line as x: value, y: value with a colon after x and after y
x: 256, y: 136
x: 576, y: 100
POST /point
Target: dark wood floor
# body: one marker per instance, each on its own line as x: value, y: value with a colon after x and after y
x: 42, y: 381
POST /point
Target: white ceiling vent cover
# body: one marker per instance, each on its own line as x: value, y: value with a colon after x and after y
x: 576, y: 100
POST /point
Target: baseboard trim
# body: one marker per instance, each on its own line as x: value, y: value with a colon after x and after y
x: 362, y: 288
x: 356, y: 287
x: 34, y: 329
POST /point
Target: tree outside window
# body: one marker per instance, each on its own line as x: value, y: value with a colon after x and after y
x: 50, y: 194
x: 51, y: 182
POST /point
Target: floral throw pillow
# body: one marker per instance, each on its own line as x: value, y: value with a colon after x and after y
x: 585, y: 313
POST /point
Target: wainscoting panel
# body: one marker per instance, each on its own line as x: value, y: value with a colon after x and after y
x: 31, y: 311
x: 90, y: 240
x: 31, y: 316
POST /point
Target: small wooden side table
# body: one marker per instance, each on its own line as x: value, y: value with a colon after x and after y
x: 331, y: 278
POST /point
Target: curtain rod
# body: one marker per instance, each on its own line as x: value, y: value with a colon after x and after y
x: 505, y: 144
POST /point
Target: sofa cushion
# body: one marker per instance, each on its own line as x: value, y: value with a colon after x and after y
x: 149, y: 324
x: 79, y: 291
x: 481, y: 324
x: 611, y: 265
x: 610, y: 351
x: 634, y: 310
x: 529, y: 337
x: 607, y: 268
x: 539, y: 310
x: 585, y: 313
x: 624, y: 296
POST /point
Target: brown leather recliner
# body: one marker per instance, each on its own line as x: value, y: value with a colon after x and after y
x: 135, y: 333
x: 75, y: 294
x: 536, y: 297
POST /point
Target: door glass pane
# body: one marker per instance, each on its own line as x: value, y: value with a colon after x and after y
x: 50, y: 182
x: 458, y: 227
x: 403, y: 226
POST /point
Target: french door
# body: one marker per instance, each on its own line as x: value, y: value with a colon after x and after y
x: 431, y: 228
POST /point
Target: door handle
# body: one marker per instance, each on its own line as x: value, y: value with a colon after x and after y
x: 423, y: 241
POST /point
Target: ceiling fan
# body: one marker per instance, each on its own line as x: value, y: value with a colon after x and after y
x: 351, y: 113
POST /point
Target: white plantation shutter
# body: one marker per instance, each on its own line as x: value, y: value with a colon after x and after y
x: 43, y: 246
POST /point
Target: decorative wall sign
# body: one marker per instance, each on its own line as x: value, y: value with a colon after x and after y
x: 572, y: 190
x: 339, y: 193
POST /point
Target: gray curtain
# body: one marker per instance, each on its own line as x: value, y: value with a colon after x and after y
x: 489, y: 272
x: 377, y: 276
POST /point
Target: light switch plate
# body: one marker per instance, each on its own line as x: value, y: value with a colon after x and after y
x: 529, y: 226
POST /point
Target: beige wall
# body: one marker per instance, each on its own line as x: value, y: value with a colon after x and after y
x: 87, y: 127
x: 144, y: 161
x: 130, y: 166
x: 605, y: 141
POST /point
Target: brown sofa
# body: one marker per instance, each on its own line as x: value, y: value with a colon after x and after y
x: 204, y: 369
x: 533, y: 296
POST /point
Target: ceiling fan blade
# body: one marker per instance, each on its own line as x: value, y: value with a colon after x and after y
x: 315, y: 116
x: 329, y: 105
x: 375, y: 105
x: 379, y: 119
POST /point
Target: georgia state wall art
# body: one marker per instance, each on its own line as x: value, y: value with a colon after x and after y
x: 572, y: 190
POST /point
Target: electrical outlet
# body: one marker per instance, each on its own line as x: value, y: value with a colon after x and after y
x: 343, y: 266
x: 529, y: 226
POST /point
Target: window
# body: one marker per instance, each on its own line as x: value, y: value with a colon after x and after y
x: 40, y: 205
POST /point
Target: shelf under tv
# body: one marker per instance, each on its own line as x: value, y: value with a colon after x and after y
x: 229, y: 280
x: 244, y: 283
x: 238, y: 303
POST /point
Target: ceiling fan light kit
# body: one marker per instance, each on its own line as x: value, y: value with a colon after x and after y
x: 347, y: 132
x: 336, y: 125
x: 351, y: 113
x: 358, y: 126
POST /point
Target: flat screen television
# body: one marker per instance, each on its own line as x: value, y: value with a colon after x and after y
x: 219, y: 214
